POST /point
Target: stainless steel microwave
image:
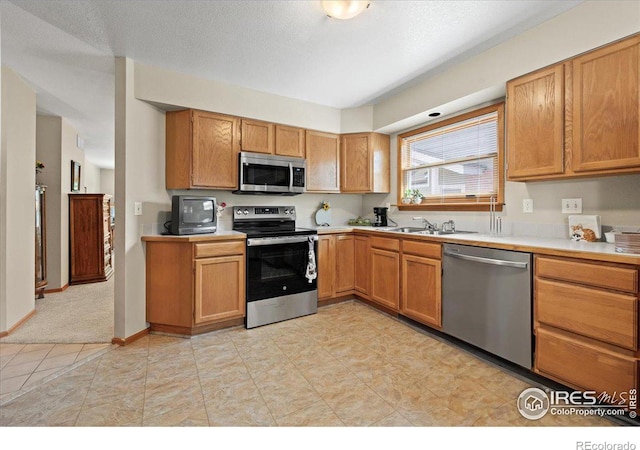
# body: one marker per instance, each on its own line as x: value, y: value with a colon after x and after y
x: 271, y: 174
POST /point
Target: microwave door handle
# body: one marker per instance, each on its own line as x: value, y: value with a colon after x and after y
x: 290, y: 177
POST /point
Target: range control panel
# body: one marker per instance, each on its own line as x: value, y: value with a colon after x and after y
x: 264, y: 212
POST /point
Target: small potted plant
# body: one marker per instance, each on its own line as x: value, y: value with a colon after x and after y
x: 416, y: 196
x: 408, y: 197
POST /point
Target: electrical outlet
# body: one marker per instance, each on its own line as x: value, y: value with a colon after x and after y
x: 387, y: 205
x: 527, y: 205
x: 137, y: 208
x: 572, y: 205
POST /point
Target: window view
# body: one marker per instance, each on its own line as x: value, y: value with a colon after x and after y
x: 456, y: 162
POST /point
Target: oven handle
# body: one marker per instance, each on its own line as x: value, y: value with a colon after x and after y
x: 255, y: 242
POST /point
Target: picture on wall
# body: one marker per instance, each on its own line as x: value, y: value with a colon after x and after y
x: 75, y: 176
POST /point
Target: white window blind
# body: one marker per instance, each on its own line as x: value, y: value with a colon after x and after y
x: 455, y: 163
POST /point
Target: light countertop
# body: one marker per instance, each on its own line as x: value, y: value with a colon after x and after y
x: 600, y: 251
x: 217, y: 236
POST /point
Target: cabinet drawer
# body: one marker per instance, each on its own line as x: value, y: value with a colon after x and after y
x: 619, y: 278
x: 426, y: 249
x: 219, y: 249
x: 385, y: 243
x: 584, y: 365
x: 607, y: 316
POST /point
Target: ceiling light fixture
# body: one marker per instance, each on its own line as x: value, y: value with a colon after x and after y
x: 344, y: 9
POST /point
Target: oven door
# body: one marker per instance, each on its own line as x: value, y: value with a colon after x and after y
x: 278, y: 266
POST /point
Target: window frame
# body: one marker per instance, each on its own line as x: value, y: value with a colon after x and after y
x: 459, y: 203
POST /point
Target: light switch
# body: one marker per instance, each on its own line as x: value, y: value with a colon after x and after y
x: 572, y: 205
x: 137, y: 208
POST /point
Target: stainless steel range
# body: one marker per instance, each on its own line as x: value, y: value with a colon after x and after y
x: 281, y: 264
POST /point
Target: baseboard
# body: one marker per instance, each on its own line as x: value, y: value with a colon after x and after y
x: 130, y: 339
x: 17, y: 324
x: 54, y: 290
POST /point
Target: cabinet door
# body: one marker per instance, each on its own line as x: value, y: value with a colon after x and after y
x: 219, y: 289
x: 356, y: 163
x: 215, y: 151
x: 421, y: 289
x: 535, y: 124
x: 385, y: 270
x: 257, y: 136
x: 326, y: 266
x: 606, y: 126
x: 345, y: 262
x: 362, y: 257
x: 323, y: 161
x: 289, y: 141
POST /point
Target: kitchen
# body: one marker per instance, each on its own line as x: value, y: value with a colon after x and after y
x: 151, y: 86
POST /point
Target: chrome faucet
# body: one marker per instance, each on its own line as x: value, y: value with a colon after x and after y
x: 427, y: 225
x: 449, y: 226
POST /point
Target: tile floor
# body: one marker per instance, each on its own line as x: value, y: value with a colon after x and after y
x: 348, y: 365
x: 23, y: 366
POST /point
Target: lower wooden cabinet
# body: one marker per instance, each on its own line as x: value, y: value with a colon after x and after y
x: 385, y: 271
x: 336, y: 255
x: 422, y: 282
x: 362, y: 270
x: 584, y: 364
x: 194, y: 286
x: 586, y: 324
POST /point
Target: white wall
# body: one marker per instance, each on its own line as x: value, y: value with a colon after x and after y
x: 588, y: 25
x: 186, y: 91
x: 91, y: 178
x: 18, y: 156
x: 48, y: 150
x: 107, y: 181
x: 140, y: 141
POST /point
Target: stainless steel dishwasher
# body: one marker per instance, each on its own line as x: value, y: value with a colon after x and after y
x: 486, y: 300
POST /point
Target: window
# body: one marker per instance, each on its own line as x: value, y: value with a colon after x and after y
x: 456, y: 164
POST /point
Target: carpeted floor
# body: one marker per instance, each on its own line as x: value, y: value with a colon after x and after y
x: 82, y: 314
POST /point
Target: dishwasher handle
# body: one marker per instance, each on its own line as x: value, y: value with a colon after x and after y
x: 483, y: 260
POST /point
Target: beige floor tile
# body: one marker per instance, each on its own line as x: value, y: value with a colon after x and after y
x: 195, y: 416
x: 287, y: 394
x: 359, y: 406
x: 63, y: 349
x: 318, y: 414
x: 36, y: 347
x: 26, y: 357
x: 38, y: 377
x: 124, y: 411
x: 56, y: 362
x: 15, y: 370
x: 10, y: 349
x: 13, y: 384
x: 394, y: 419
x: 469, y: 399
x: 238, y: 405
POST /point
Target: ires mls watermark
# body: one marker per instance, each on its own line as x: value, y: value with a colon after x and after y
x: 534, y: 403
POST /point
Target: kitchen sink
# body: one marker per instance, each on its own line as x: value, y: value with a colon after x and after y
x: 441, y: 232
x: 406, y: 229
x: 418, y: 230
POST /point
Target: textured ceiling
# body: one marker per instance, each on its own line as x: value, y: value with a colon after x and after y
x: 65, y: 48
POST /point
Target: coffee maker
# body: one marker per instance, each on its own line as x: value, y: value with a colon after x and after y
x: 381, y: 217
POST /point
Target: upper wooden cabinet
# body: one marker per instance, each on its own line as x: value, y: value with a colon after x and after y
x: 201, y: 150
x: 606, y: 125
x: 535, y: 124
x: 365, y: 163
x: 257, y: 136
x: 323, y: 161
x: 290, y: 141
x: 577, y: 118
